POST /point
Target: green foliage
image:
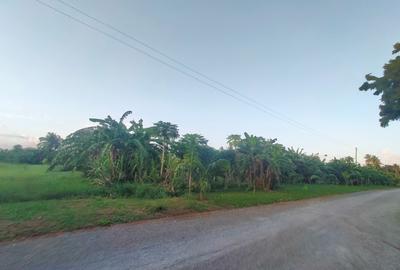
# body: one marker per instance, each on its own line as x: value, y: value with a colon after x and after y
x: 49, y: 145
x: 203, y: 188
x: 283, y: 193
x: 143, y: 191
x: 388, y: 86
x: 331, y: 179
x: 372, y: 161
x: 315, y: 179
x: 37, y: 201
x: 113, y: 153
x: 18, y: 154
x: 148, y: 191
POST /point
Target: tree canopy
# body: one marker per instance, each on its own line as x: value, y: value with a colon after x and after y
x: 116, y: 151
x: 388, y: 87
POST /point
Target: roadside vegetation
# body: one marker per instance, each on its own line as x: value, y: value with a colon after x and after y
x: 119, y: 171
x: 35, y: 201
x: 114, y: 152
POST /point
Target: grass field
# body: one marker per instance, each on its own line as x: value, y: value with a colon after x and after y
x: 20, y: 182
x: 34, y: 201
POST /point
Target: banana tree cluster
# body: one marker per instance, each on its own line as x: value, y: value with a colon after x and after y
x: 114, y: 151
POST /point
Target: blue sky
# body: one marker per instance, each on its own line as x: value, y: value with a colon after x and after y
x: 305, y: 59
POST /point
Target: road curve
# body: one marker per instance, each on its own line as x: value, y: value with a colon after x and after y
x: 357, y: 231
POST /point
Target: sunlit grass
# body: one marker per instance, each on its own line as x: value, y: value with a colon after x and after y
x: 34, y: 201
x: 20, y: 182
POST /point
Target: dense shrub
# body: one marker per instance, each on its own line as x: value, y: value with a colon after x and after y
x: 18, y: 154
x: 111, y: 153
x: 144, y: 191
x: 331, y: 179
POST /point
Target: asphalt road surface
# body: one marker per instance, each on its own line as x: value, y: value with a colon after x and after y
x: 357, y: 231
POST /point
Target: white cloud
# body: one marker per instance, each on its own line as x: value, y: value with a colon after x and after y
x: 388, y: 157
x: 9, y: 140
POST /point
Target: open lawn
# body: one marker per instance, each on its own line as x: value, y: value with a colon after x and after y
x: 22, y: 182
x: 34, y: 201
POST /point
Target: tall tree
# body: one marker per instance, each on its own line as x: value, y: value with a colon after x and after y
x: 191, y: 144
x: 77, y: 150
x: 165, y: 134
x: 372, y: 161
x: 120, y: 153
x: 251, y: 148
x: 233, y: 141
x: 48, y: 145
x: 389, y: 87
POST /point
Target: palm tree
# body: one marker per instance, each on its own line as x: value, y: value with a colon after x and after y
x: 49, y: 144
x: 191, y: 144
x: 251, y: 148
x: 233, y: 141
x: 123, y: 153
x: 165, y: 134
x: 276, y: 159
x: 76, y: 151
x: 220, y: 168
x: 372, y: 161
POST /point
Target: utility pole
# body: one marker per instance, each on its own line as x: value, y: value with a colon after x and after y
x: 356, y: 156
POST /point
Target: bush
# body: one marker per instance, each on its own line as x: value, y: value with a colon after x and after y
x: 148, y: 191
x: 144, y: 191
x: 315, y: 179
x: 124, y: 189
x: 178, y: 186
x: 331, y: 179
x: 218, y: 183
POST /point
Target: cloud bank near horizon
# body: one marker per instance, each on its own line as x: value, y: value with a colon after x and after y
x: 7, y: 141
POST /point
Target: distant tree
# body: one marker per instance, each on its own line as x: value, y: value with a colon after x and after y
x: 18, y: 154
x: 389, y: 87
x: 112, y: 152
x: 395, y: 169
x: 48, y: 146
x: 165, y: 134
x: 192, y: 144
x: 233, y: 141
x: 220, y: 169
x: 17, y: 147
x: 372, y: 161
x: 251, y: 150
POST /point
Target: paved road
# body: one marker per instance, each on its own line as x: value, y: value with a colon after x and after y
x: 358, y: 231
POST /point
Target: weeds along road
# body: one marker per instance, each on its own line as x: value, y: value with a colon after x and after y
x: 357, y: 231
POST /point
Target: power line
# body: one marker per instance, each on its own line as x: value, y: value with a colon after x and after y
x: 239, y: 96
x: 155, y: 58
x: 129, y: 36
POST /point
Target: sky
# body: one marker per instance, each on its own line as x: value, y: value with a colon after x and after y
x: 302, y: 59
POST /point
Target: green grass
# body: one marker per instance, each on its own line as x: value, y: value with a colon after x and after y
x: 34, y: 201
x: 20, y: 182
x: 285, y: 193
x: 31, y: 218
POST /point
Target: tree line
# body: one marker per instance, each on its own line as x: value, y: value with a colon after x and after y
x: 113, y: 152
